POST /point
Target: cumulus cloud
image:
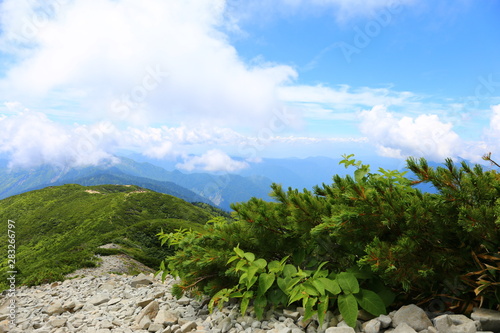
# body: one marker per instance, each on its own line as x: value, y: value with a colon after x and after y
x: 212, y: 160
x: 135, y: 60
x: 400, y: 137
x: 30, y: 139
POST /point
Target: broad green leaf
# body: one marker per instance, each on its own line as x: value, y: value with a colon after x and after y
x: 260, y: 263
x: 274, y: 267
x: 259, y: 304
x: 265, y: 282
x: 247, y: 296
x: 289, y: 270
x: 318, y: 271
x: 233, y: 258
x: 277, y: 297
x: 296, y: 294
x: 322, y: 308
x: 282, y: 284
x: 319, y: 286
x: 309, y: 303
x: 243, y: 278
x: 348, y: 307
x: 348, y: 282
x: 309, y: 289
x: 360, y: 173
x: 251, y: 282
x: 240, y: 265
x: 251, y: 272
x: 371, y: 302
x: 330, y: 285
x: 292, y: 282
x: 239, y: 252
x: 236, y: 294
x: 249, y: 256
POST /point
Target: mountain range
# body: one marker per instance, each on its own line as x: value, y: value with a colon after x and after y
x: 218, y: 189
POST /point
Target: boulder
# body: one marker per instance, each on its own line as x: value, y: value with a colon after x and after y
x: 489, y: 319
x: 413, y: 316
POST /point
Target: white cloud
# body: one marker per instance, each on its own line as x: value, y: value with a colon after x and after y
x: 424, y: 135
x: 99, y: 55
x: 213, y: 160
x: 321, y: 102
x: 30, y: 139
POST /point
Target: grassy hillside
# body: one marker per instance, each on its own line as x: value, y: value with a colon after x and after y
x: 58, y: 229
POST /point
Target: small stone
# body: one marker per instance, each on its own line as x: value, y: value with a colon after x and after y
x: 188, y: 327
x: 114, y: 301
x: 340, y: 330
x: 166, y: 318
x: 54, y: 308
x: 291, y: 314
x: 68, y: 306
x: 372, y: 326
x: 385, y: 321
x: 404, y: 328
x: 99, y: 299
x: 183, y: 300
x: 155, y: 327
x: 145, y: 302
x: 141, y: 280
x: 490, y: 319
x: 412, y: 315
x: 150, y: 312
x: 57, y: 322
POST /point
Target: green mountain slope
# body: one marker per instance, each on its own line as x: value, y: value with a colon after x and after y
x: 58, y: 229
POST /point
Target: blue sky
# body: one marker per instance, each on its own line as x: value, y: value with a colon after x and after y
x: 217, y: 84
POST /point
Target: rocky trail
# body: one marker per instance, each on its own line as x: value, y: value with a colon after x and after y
x: 104, y: 302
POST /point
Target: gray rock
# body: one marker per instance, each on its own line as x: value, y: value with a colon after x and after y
x: 385, y: 321
x: 155, y: 327
x: 445, y: 324
x: 57, y: 322
x: 98, y: 299
x: 54, y: 308
x: 141, y: 280
x: 166, y: 317
x: 372, y: 326
x: 188, y: 327
x: 291, y: 314
x: 413, y: 316
x: 150, y: 312
x: 340, y: 330
x: 489, y: 319
x: 404, y: 328
x: 183, y: 300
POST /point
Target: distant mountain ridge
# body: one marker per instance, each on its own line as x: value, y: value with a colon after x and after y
x: 219, y: 190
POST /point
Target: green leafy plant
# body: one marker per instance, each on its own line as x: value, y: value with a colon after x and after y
x: 279, y: 283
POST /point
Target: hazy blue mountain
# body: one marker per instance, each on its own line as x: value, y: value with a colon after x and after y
x: 220, y: 190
